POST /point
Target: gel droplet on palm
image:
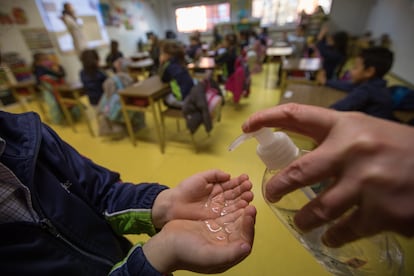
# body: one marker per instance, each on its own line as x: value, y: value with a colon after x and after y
x: 217, y: 230
x: 217, y: 204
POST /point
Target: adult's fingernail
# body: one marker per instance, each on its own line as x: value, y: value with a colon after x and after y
x: 330, y: 240
x: 273, y: 198
x: 245, y: 126
x: 305, y: 221
x: 245, y: 247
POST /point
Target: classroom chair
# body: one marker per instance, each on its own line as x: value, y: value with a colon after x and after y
x: 69, y: 97
x: 202, y: 107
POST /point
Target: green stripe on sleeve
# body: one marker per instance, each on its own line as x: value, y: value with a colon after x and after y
x: 132, y: 221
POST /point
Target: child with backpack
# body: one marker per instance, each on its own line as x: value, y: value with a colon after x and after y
x: 110, y: 119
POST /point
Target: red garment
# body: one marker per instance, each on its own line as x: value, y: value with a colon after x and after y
x: 238, y: 82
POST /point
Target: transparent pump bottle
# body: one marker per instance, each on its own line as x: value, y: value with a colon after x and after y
x: 378, y: 255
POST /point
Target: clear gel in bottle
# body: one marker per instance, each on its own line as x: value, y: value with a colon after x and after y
x: 377, y: 255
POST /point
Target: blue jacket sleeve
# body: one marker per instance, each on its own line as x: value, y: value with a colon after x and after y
x: 134, y: 264
x: 354, y: 101
x: 129, y: 204
x: 340, y: 85
x: 326, y: 51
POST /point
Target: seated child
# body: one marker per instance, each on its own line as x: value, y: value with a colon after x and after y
x: 298, y: 41
x: 91, y: 76
x: 174, y: 71
x: 110, y: 119
x: 333, y: 51
x: 367, y: 90
x: 49, y: 75
x: 227, y: 55
x: 154, y: 51
x: 194, y: 51
x: 43, y: 65
x: 113, y: 55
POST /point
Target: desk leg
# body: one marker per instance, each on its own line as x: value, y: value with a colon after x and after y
x: 19, y: 99
x: 157, y: 123
x: 39, y: 99
x: 127, y: 121
x: 67, y: 114
x: 268, y: 58
x: 283, y: 82
x: 84, y: 114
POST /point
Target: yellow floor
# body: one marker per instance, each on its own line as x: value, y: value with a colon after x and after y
x: 275, y: 251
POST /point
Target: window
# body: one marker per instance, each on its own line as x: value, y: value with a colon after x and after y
x: 201, y: 18
x: 282, y: 12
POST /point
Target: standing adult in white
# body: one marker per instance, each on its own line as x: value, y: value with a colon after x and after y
x: 74, y: 25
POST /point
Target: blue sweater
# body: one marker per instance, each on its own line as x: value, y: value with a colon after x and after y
x: 82, y: 209
x: 179, y: 78
x: 371, y: 97
x: 331, y: 58
x: 39, y: 71
x: 93, y: 85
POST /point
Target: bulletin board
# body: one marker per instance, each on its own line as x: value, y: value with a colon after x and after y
x: 37, y: 39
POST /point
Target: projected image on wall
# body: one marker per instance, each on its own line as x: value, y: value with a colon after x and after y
x: 86, y: 17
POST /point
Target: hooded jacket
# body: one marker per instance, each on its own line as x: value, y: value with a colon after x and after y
x: 371, y: 97
x: 80, y: 209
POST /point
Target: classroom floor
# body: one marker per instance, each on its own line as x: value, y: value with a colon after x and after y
x: 275, y: 251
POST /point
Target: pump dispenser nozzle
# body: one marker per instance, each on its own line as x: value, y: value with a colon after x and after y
x: 275, y: 149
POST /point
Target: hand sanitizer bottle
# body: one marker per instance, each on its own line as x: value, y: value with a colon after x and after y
x: 377, y: 255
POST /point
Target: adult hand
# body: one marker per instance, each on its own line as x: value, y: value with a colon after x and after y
x: 210, y: 246
x: 206, y: 195
x: 370, y: 160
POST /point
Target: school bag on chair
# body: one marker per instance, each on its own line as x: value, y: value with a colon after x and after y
x: 402, y: 97
x: 214, y: 99
x: 110, y: 118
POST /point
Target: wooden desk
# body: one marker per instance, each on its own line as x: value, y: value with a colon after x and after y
x: 404, y: 116
x: 201, y: 66
x: 324, y: 96
x: 70, y: 94
x: 152, y: 89
x: 204, y: 63
x: 210, y: 53
x: 311, y: 94
x: 280, y: 52
x: 29, y: 85
x: 139, y: 56
x: 139, y: 68
x: 299, y: 64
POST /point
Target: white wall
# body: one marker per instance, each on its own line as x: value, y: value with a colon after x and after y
x: 145, y: 17
x: 350, y: 15
x: 11, y: 39
x: 396, y: 17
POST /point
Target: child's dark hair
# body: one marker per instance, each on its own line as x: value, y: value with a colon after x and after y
x: 90, y: 60
x: 65, y: 8
x: 36, y: 58
x: 379, y: 58
x: 173, y: 49
x: 231, y: 39
x: 114, y: 43
x: 302, y: 27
